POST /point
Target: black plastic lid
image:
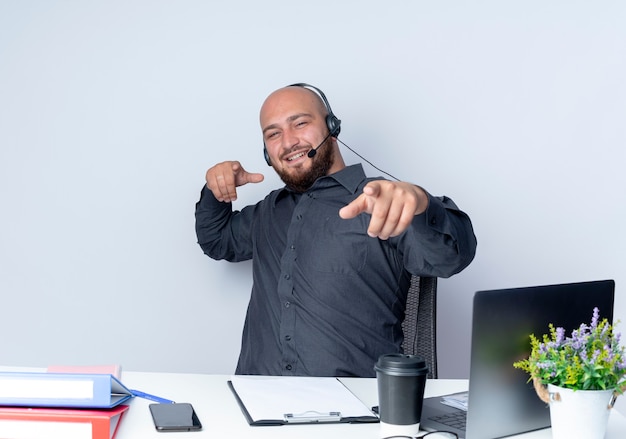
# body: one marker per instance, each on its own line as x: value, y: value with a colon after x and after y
x: 401, y: 364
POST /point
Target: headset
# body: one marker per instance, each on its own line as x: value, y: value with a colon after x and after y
x: 332, y: 122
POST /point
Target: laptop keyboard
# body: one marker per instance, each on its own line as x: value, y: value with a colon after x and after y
x: 455, y: 420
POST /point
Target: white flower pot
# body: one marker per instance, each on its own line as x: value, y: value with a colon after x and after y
x: 579, y: 413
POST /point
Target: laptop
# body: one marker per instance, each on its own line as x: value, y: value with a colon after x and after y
x: 501, y: 401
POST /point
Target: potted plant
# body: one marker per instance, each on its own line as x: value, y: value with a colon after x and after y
x: 569, y: 372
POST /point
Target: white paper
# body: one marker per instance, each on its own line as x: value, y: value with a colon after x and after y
x: 36, y: 388
x: 458, y: 400
x: 45, y: 430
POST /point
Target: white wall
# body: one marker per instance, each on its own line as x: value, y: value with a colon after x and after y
x: 110, y: 113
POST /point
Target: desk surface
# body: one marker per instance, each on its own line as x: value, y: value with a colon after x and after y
x: 222, y: 418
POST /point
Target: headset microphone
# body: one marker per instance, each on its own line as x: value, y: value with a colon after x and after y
x: 312, y: 152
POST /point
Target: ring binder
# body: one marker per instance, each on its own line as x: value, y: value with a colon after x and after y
x: 47, y: 389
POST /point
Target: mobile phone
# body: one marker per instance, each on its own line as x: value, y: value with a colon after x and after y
x: 175, y: 417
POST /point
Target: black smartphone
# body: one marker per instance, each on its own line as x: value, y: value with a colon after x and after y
x: 175, y: 417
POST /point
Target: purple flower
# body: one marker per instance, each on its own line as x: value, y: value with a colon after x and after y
x: 560, y: 336
x: 577, y: 342
x: 595, y: 356
x: 595, y: 318
x: 545, y: 365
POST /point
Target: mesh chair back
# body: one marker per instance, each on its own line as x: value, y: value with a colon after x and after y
x: 420, y: 321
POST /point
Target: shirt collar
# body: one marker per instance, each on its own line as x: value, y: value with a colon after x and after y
x: 349, y: 177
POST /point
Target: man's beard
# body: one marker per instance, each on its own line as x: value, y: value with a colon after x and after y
x: 322, y: 162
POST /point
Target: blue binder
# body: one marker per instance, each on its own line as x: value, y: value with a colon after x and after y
x: 43, y: 389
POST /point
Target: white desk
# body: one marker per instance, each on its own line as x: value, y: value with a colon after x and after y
x: 221, y: 416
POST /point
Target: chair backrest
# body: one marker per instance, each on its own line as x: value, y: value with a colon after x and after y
x: 420, y: 321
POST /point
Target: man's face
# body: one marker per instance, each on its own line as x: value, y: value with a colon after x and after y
x: 293, y: 123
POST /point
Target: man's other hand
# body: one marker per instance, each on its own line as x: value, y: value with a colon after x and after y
x: 223, y: 179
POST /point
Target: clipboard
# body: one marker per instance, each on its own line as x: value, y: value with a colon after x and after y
x: 266, y: 401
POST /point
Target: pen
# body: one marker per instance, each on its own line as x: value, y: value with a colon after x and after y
x: 155, y: 398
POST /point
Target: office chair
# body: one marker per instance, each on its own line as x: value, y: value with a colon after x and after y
x: 420, y: 321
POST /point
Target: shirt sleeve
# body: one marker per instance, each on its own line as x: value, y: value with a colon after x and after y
x: 440, y: 242
x: 223, y: 233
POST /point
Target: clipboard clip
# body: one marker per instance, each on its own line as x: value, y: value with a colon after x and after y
x: 312, y: 416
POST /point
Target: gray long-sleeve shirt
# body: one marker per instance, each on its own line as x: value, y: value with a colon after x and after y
x: 327, y: 299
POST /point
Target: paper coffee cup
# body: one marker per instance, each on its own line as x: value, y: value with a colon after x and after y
x: 401, y: 381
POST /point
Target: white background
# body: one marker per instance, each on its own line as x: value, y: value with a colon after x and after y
x: 111, y: 112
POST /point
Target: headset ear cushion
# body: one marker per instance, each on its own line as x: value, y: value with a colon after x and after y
x: 266, y: 155
x: 333, y: 124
